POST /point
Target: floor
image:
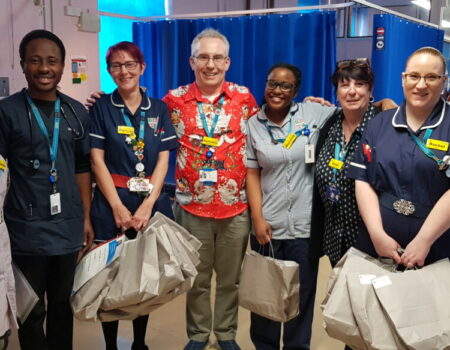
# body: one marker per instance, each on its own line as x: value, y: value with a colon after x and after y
x: 166, y: 330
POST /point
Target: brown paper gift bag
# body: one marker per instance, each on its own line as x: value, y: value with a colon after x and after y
x: 418, y: 304
x: 270, y: 287
x: 373, y: 324
x: 138, y: 275
x: 339, y: 321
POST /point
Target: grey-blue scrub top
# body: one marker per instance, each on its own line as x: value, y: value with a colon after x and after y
x: 286, y: 180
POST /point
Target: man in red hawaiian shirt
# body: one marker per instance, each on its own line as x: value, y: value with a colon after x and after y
x: 210, y: 116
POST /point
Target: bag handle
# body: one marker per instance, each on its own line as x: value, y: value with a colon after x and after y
x: 262, y: 246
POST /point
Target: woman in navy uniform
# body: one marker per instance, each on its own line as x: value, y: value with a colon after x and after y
x: 131, y: 137
x: 401, y: 170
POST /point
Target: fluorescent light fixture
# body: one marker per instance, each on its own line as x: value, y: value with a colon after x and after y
x: 422, y: 3
x: 445, y: 24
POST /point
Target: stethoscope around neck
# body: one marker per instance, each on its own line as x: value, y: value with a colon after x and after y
x: 78, y: 134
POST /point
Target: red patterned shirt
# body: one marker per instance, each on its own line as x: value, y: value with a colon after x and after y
x: 226, y: 197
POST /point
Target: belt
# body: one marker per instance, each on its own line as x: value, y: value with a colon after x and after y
x: 122, y: 180
x: 404, y: 207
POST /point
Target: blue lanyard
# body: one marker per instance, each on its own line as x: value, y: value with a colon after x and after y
x: 269, y: 130
x: 339, y: 156
x: 53, y: 146
x: 210, y: 132
x: 424, y: 148
x: 141, y: 123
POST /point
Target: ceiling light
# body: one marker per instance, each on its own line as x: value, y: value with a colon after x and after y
x: 422, y: 3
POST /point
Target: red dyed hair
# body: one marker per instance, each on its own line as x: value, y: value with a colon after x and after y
x: 132, y: 49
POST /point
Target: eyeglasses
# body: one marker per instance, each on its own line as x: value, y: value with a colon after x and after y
x: 285, y: 87
x: 129, y: 66
x: 218, y: 60
x: 414, y: 78
x: 357, y: 62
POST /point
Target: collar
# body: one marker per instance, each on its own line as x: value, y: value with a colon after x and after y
x: 434, y: 119
x: 194, y: 93
x: 116, y: 100
x: 292, y: 111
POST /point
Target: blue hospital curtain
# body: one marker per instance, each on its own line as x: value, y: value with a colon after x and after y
x: 390, y: 51
x: 256, y: 43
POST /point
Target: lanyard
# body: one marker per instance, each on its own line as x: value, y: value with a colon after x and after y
x: 424, y: 148
x: 53, y: 146
x: 210, y: 132
x: 303, y: 131
x: 139, y: 144
x: 269, y: 130
x: 141, y: 123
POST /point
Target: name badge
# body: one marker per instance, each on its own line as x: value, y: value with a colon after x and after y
x: 309, y: 153
x: 208, y: 176
x: 3, y: 165
x: 139, y: 184
x: 437, y: 144
x: 210, y: 141
x: 289, y: 141
x: 125, y: 130
x: 55, y: 203
x: 336, y: 164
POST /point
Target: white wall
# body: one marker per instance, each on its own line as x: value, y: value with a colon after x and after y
x: 18, y: 17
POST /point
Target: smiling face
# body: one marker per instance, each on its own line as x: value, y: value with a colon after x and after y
x: 353, y: 95
x: 422, y: 96
x: 43, y: 68
x: 210, y: 75
x: 126, y: 79
x: 277, y: 95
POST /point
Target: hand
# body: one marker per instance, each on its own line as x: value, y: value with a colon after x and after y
x: 122, y: 216
x: 141, y: 216
x: 415, y: 253
x: 88, y: 238
x: 90, y: 101
x: 320, y: 100
x: 262, y: 230
x: 386, y: 247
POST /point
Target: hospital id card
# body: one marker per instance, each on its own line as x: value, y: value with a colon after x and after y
x: 208, y: 176
x: 309, y: 153
x: 55, y: 203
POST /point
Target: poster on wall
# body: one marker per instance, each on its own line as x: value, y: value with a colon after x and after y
x: 79, y: 69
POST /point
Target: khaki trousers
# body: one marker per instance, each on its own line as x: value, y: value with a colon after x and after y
x: 224, y: 242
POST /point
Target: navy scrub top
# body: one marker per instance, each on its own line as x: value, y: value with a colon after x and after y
x: 32, y: 230
x: 398, y: 166
x: 106, y: 116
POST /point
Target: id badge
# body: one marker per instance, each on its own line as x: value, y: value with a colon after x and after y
x: 55, y: 203
x: 336, y: 164
x: 332, y: 193
x: 310, y: 153
x: 289, y: 141
x: 208, y: 176
x: 210, y: 141
x: 138, y: 184
x: 3, y: 165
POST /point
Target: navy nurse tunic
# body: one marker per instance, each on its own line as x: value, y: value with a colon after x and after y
x: 106, y: 116
x: 391, y: 162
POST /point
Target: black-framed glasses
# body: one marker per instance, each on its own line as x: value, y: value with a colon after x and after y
x: 218, y: 60
x: 357, y: 62
x: 285, y: 87
x: 414, y: 78
x: 129, y: 66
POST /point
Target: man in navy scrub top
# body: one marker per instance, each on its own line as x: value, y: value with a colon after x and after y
x: 44, y: 135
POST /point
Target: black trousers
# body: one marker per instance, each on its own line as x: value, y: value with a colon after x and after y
x: 50, y: 276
